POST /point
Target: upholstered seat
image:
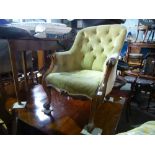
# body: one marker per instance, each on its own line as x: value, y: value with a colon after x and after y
x: 147, y: 128
x: 78, y: 81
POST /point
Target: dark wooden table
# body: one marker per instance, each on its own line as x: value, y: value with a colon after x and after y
x: 69, y: 115
x: 24, y: 45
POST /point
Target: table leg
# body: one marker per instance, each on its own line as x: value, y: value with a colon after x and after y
x: 14, y: 72
x: 40, y: 59
x: 24, y: 63
x: 18, y: 104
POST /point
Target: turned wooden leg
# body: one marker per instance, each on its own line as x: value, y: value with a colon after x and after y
x: 137, y: 35
x: 94, y: 105
x: 145, y: 34
x: 149, y: 35
x: 91, y: 123
x: 152, y: 35
x: 47, y: 104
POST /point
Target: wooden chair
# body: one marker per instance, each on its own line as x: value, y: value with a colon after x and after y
x: 144, y: 28
x: 88, y: 69
x: 143, y: 80
x: 151, y: 33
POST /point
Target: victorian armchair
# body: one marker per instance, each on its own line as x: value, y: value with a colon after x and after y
x: 88, y: 69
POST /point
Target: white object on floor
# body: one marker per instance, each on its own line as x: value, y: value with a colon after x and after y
x: 19, y: 106
x: 96, y: 131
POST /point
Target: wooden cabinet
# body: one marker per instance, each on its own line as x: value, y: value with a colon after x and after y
x: 134, y: 55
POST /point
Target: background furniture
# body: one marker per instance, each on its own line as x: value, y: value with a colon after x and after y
x: 136, y: 49
x: 144, y: 28
x: 24, y: 45
x: 142, y: 80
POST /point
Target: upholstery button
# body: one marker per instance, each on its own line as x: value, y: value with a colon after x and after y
x: 84, y: 34
x: 99, y: 40
x: 87, y: 40
x: 91, y: 48
x: 110, y: 40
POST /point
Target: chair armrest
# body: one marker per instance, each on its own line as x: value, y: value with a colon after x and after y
x: 111, y: 62
x: 57, y: 61
x: 63, y: 60
x: 109, y: 77
x: 67, y: 61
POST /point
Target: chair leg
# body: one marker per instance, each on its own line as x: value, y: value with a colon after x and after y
x: 94, y: 106
x: 152, y: 36
x: 145, y: 34
x: 137, y: 35
x: 47, y: 103
x: 90, y: 127
x: 149, y: 35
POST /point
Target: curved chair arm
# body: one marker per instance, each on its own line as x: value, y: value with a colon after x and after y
x: 65, y: 61
x: 57, y: 61
x: 110, y: 65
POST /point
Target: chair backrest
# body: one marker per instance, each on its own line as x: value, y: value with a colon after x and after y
x: 95, y: 44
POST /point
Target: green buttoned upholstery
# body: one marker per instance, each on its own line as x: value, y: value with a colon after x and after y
x: 80, y: 70
x: 147, y: 128
x: 83, y: 82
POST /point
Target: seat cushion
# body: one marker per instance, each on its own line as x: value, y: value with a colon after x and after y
x: 82, y: 82
x: 147, y: 128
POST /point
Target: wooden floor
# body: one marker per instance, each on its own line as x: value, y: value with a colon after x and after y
x: 69, y: 115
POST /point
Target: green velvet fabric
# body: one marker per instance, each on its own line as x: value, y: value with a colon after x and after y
x: 147, y: 128
x: 84, y: 82
x: 79, y: 70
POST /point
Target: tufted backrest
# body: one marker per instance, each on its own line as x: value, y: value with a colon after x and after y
x: 95, y: 44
